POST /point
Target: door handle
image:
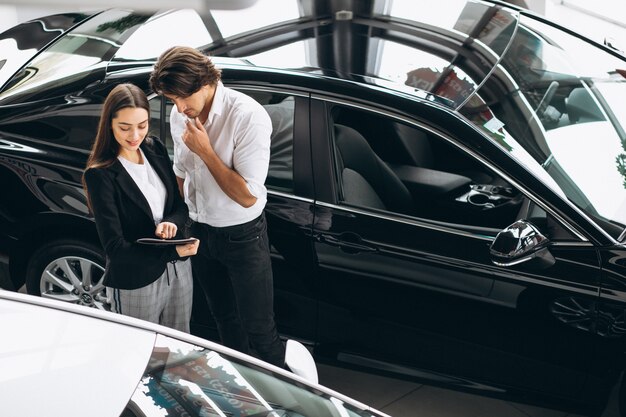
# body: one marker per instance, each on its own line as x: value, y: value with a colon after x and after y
x: 348, y: 242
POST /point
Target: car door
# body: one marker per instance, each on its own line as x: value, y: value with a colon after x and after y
x: 289, y: 210
x: 407, y: 284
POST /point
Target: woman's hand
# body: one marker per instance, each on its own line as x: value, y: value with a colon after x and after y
x: 166, y: 230
x: 189, y: 249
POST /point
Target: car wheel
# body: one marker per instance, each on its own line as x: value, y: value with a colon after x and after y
x: 69, y: 271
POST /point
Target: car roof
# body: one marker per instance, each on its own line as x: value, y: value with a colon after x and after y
x: 97, y: 360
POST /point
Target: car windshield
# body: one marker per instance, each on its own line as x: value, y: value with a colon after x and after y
x: 113, y: 36
x: 20, y: 43
x: 183, y: 379
x: 82, y: 51
x: 555, y: 102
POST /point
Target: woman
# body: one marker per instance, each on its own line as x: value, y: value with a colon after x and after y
x: 132, y: 193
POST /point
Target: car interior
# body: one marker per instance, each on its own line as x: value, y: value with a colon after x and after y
x: 366, y: 179
x: 387, y: 165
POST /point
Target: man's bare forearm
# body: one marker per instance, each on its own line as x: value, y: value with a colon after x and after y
x: 229, y: 180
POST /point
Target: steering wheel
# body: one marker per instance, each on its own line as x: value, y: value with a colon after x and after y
x: 547, y: 98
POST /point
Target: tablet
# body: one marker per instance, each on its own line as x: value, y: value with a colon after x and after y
x: 165, y: 242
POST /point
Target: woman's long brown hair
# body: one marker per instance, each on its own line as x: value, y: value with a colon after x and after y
x: 105, y: 148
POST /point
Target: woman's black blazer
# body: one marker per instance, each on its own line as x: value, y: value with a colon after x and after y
x: 123, y: 215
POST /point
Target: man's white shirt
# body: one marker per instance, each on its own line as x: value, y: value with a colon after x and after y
x: 239, y: 129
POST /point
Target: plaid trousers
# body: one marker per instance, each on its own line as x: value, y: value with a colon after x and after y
x: 166, y: 301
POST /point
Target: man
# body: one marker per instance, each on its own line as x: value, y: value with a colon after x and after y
x: 221, y: 158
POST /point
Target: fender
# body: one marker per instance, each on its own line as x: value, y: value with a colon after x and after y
x: 34, y: 231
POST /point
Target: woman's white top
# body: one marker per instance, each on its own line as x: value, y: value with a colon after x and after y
x: 149, y: 183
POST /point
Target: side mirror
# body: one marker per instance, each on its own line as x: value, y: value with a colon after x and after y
x: 300, y: 361
x: 521, y: 242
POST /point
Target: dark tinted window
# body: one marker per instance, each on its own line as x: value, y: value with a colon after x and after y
x: 281, y: 110
x: 155, y: 125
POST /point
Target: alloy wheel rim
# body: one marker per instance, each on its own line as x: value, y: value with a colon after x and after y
x: 75, y: 280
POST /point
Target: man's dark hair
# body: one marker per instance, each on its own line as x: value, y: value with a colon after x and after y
x: 181, y: 71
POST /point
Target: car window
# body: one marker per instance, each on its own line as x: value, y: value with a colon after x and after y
x: 155, y: 124
x: 183, y: 379
x: 281, y: 108
x: 384, y: 164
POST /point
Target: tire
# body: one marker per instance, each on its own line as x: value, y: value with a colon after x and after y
x: 70, y: 271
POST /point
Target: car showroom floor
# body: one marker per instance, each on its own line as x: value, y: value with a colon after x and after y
x: 408, y: 399
x: 400, y: 398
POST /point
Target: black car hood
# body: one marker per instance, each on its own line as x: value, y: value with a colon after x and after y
x: 21, y: 43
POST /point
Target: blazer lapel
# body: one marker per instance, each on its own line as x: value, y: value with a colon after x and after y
x: 130, y: 188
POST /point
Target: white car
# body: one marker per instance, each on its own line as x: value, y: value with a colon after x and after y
x: 58, y: 359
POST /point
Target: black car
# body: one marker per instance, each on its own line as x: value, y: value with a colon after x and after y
x: 446, y: 193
